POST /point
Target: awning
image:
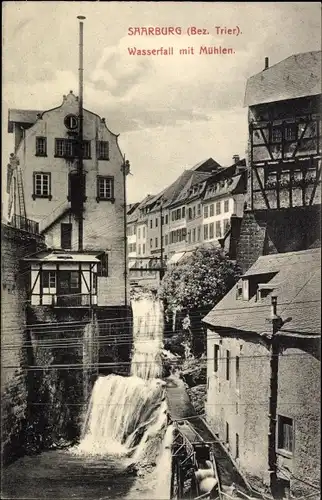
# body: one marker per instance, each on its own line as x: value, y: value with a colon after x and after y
x: 175, y: 258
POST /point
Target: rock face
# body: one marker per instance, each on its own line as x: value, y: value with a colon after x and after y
x: 196, y: 374
x: 197, y: 396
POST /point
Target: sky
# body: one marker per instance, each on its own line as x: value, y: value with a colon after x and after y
x: 171, y: 111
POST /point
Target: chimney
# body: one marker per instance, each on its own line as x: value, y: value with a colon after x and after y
x: 236, y: 159
x: 266, y: 63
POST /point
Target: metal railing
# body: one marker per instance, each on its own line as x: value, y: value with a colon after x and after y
x: 20, y: 222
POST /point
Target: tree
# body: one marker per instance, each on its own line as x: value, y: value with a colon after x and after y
x: 195, y: 286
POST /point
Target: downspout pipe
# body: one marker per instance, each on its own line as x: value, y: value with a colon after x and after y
x: 274, y: 355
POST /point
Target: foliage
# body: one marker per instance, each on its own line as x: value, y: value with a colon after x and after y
x: 199, y: 283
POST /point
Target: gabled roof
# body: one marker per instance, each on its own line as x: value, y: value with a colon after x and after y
x: 297, y: 281
x: 217, y: 189
x: 62, y: 256
x: 296, y: 76
x: 194, y: 180
x: 208, y: 165
x: 23, y: 116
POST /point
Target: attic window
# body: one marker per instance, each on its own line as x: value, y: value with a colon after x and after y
x: 239, y: 291
x: 263, y: 290
x: 64, y: 257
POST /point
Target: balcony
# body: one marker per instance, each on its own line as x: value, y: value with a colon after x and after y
x: 20, y: 222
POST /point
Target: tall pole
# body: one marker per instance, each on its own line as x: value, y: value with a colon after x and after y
x: 272, y: 456
x: 161, y: 238
x: 125, y: 169
x: 80, y: 135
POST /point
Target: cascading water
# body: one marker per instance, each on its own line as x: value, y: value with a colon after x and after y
x: 147, y: 338
x: 127, y: 416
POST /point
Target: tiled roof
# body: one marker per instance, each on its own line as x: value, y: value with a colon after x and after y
x: 208, y: 165
x: 28, y: 116
x: 194, y: 180
x: 215, y: 189
x: 297, y: 76
x: 298, y: 288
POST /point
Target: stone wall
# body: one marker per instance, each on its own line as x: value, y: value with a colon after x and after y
x: 266, y: 232
x: 244, y: 406
x: 16, y: 244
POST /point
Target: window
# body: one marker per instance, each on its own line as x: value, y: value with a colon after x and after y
x: 276, y: 135
x: 211, y: 230
x: 194, y: 212
x: 151, y: 222
x: 156, y: 242
x: 105, y: 188
x: 71, y: 122
x: 189, y: 213
x: 199, y: 234
x: 139, y: 249
x: 205, y: 212
x: 183, y: 212
x: 226, y: 225
x: 102, y: 150
x: 198, y: 209
x: 143, y: 249
x: 218, y: 208
x: 41, y: 146
x: 290, y: 132
x: 143, y: 232
x: 151, y: 243
x: 218, y: 229
x: 42, y: 185
x: 205, y: 232
x: 189, y: 236
x: 226, y: 206
x: 156, y: 222
x: 237, y: 446
x: 216, y: 357
x: 66, y: 236
x: 86, y: 149
x: 193, y: 235
x: 212, y: 210
x: 162, y: 220
x: 74, y: 280
x: 237, y: 373
x: 49, y: 279
x: 67, y: 148
x: 167, y: 219
x: 139, y: 233
x: 166, y: 239
x: 227, y: 432
x: 285, y: 433
x: 102, y: 265
x: 227, y: 365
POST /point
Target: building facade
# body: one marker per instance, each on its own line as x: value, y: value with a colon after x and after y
x: 284, y: 117
x: 47, y: 151
x: 284, y: 159
x: 255, y: 369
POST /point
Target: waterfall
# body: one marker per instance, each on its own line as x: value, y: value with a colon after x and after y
x: 128, y: 415
x: 164, y: 467
x: 147, y: 338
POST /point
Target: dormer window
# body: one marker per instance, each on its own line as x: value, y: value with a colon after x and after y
x: 245, y: 289
x: 239, y: 291
x: 263, y: 290
x: 257, y: 285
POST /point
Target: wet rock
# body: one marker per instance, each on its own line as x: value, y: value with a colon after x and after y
x: 197, y: 396
x: 132, y: 470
